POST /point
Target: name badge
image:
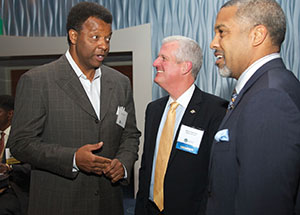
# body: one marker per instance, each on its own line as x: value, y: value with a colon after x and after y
x: 189, y: 139
x: 122, y: 116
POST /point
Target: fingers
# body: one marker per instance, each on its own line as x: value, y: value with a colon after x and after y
x: 115, y: 171
x: 93, y: 147
x: 100, y: 164
x: 88, y: 162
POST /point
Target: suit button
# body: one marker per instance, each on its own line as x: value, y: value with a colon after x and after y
x: 96, y: 121
x: 96, y: 193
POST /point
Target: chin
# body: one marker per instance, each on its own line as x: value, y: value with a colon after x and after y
x: 225, y: 71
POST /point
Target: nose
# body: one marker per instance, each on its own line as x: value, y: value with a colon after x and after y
x: 214, y: 43
x: 103, y: 44
x: 156, y: 62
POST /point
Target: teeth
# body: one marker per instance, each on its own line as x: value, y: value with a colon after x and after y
x: 160, y: 71
x: 219, y: 57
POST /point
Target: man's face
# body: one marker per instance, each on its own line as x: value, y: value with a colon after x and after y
x: 167, y: 67
x: 5, y: 118
x: 91, y: 43
x: 231, y: 44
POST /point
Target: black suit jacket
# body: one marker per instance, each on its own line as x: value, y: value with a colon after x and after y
x: 186, y: 175
x: 257, y: 171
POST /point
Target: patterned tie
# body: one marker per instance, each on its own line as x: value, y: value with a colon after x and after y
x: 233, y: 97
x: 165, y: 146
x: 1, y: 144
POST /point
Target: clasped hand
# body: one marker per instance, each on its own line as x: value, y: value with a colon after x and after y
x: 88, y: 162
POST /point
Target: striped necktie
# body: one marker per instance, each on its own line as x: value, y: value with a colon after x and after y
x: 233, y: 98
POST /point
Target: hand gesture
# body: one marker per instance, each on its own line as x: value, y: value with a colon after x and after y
x: 88, y: 162
x: 115, y: 171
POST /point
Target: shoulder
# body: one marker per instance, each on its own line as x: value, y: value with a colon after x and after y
x: 211, y: 99
x: 113, y: 74
x: 157, y: 104
x: 45, y: 69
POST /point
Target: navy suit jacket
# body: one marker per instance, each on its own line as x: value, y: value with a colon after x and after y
x: 186, y: 175
x: 258, y: 170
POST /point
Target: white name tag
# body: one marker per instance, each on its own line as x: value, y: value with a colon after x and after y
x: 122, y: 116
x: 189, y: 139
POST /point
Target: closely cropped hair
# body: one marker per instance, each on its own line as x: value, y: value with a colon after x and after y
x: 188, y: 50
x: 82, y: 11
x: 7, y: 102
x: 264, y: 12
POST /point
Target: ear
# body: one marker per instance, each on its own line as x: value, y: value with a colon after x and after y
x: 10, y: 114
x: 73, y: 36
x: 259, y: 34
x: 187, y: 67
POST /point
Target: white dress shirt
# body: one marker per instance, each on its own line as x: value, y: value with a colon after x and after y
x: 249, y: 72
x: 91, y: 88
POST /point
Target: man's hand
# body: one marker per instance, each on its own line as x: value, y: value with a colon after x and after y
x: 115, y: 171
x: 4, y: 168
x: 88, y: 162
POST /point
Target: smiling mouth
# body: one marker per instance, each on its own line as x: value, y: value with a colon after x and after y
x: 220, y: 59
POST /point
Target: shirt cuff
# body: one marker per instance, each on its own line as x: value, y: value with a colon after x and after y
x: 75, y: 168
x: 125, y: 172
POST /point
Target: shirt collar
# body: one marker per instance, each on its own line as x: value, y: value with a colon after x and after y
x: 6, y: 131
x: 77, y: 70
x: 185, y: 98
x: 249, y: 72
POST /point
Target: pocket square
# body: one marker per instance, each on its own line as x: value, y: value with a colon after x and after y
x: 222, y: 136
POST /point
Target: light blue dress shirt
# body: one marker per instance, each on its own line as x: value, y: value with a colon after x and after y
x: 183, y: 101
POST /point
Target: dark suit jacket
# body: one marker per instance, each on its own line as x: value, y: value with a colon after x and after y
x: 186, y: 175
x: 258, y: 170
x: 53, y: 117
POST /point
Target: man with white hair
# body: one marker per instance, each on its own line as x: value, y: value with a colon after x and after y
x: 179, y: 130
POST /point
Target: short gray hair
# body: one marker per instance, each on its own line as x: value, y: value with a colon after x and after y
x: 188, y: 50
x: 262, y: 12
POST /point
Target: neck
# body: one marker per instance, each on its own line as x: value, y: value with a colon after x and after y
x: 177, y: 92
x: 89, y: 74
x: 3, y: 128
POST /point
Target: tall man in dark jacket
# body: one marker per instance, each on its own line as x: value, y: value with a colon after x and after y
x: 255, y: 162
x: 75, y: 123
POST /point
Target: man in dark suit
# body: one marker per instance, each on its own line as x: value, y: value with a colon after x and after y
x: 14, y: 176
x: 255, y: 159
x: 75, y: 123
x: 197, y: 117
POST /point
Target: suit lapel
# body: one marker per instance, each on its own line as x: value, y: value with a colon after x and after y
x: 188, y: 118
x: 107, y: 86
x: 155, y: 118
x: 68, y: 81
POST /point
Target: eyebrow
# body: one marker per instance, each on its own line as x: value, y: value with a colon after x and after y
x: 163, y: 56
x: 219, y: 26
